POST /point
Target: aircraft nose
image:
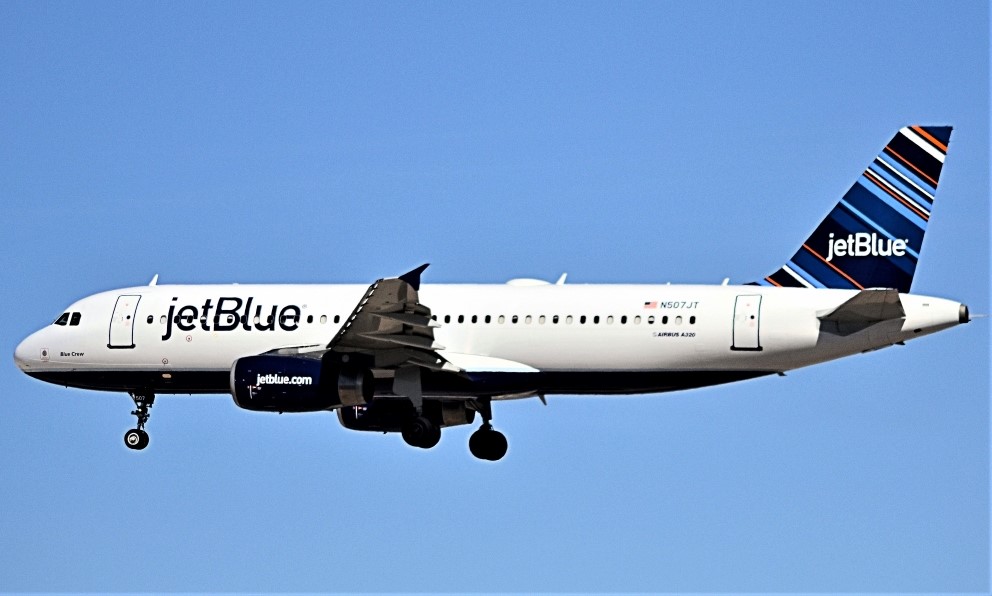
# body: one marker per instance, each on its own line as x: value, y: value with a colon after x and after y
x: 26, y: 354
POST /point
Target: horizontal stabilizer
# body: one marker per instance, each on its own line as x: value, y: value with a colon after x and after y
x: 866, y: 308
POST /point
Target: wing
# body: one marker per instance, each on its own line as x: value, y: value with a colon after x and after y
x: 392, y: 328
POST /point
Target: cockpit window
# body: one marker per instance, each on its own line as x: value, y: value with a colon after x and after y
x: 75, y: 319
x: 62, y: 320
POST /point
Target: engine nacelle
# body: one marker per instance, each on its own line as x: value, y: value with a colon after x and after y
x: 391, y: 415
x: 278, y: 383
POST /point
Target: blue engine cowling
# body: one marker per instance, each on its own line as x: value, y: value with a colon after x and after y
x: 278, y: 383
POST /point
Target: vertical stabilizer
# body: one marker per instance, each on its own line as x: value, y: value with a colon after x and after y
x: 873, y: 237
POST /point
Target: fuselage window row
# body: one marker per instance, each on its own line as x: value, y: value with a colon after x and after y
x: 188, y: 319
x: 555, y: 319
x: 75, y: 317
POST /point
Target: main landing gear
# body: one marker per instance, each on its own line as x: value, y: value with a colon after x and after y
x: 421, y: 432
x: 137, y: 438
x: 487, y: 443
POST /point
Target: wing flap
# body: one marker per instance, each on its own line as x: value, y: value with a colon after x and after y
x: 477, y: 363
x: 393, y: 327
x: 412, y: 341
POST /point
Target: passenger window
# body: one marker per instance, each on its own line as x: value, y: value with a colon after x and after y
x: 151, y: 319
x: 664, y: 320
x: 678, y: 320
x: 337, y: 318
x: 554, y: 319
x: 596, y: 319
x: 475, y: 318
x: 488, y: 319
x: 637, y: 320
x: 582, y: 320
x: 692, y: 320
x: 527, y: 319
x: 309, y: 319
x: 447, y: 318
x: 323, y: 319
x: 75, y: 319
x: 161, y: 320
x: 63, y: 320
x: 623, y: 320
x: 541, y: 319
x: 609, y: 320
x: 461, y: 318
x: 502, y: 319
x: 515, y: 319
x: 568, y: 320
x: 651, y: 320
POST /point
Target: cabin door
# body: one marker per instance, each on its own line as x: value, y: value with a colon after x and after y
x: 747, y: 323
x: 122, y: 323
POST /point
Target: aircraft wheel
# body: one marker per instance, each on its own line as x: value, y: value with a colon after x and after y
x: 136, y: 439
x: 433, y: 438
x: 421, y: 432
x: 488, y: 444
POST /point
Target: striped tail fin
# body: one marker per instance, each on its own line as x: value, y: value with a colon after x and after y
x: 872, y: 238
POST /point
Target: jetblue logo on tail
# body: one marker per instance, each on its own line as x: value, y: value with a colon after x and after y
x: 864, y: 244
x: 873, y: 236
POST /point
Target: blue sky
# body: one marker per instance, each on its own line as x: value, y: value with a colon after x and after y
x: 630, y: 142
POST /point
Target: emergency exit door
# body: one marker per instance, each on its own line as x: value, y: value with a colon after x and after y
x: 747, y: 323
x: 122, y: 322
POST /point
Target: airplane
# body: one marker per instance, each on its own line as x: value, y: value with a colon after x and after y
x: 398, y: 356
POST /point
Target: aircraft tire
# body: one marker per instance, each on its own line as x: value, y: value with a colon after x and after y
x: 136, y: 439
x: 433, y: 438
x: 421, y: 432
x: 488, y: 444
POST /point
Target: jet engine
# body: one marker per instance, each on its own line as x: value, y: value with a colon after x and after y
x: 283, y: 383
x: 391, y: 415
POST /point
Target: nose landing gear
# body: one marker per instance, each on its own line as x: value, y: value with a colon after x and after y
x: 137, y: 438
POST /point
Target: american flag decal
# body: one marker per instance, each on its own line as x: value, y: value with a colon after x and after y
x: 653, y: 304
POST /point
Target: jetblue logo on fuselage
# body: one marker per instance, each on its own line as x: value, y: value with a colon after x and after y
x: 230, y: 313
x: 864, y: 244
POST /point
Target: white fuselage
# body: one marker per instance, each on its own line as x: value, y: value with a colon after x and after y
x: 168, y: 330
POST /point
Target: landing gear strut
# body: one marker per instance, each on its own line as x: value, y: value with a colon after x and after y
x: 487, y: 443
x: 137, y: 438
